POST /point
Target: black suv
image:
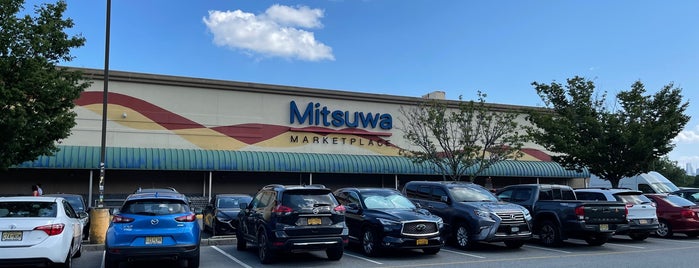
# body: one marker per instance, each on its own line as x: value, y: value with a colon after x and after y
x: 293, y: 219
x: 382, y: 218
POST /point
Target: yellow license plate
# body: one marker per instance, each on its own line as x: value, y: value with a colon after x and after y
x: 314, y: 221
x: 12, y: 236
x: 603, y: 227
x: 154, y: 240
x: 643, y: 221
x: 421, y: 242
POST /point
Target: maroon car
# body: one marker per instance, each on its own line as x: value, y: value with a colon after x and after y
x: 676, y: 215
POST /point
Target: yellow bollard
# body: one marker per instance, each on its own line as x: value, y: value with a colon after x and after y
x: 99, y: 221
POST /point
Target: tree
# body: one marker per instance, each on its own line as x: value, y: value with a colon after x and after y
x: 36, y: 96
x: 611, y: 144
x: 458, y: 140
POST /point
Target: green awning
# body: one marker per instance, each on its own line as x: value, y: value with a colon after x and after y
x: 88, y: 157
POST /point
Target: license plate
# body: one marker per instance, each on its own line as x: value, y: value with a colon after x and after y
x: 12, y: 236
x: 603, y: 227
x: 643, y: 221
x: 421, y: 242
x: 314, y: 221
x: 514, y: 229
x: 154, y: 240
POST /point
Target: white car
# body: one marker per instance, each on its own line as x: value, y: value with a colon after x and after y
x: 39, y: 230
x: 642, y: 217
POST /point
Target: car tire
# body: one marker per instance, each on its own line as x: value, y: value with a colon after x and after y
x: 549, y: 234
x: 370, y: 246
x: 597, y: 239
x: 514, y: 244
x: 213, y: 227
x: 664, y: 229
x: 68, y: 262
x: 264, y: 252
x: 241, y: 244
x: 193, y: 262
x: 431, y: 251
x: 639, y: 236
x: 79, y: 252
x: 109, y: 261
x: 461, y: 237
x: 334, y: 254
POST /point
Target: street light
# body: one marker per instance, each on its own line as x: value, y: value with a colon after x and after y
x: 103, y: 147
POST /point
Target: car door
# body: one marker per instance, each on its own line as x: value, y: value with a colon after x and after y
x: 353, y: 214
x: 258, y: 214
x: 76, y: 226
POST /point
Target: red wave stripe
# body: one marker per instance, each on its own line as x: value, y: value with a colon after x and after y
x: 537, y: 154
x: 252, y: 133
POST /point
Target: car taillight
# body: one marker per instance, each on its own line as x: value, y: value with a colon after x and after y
x: 688, y: 213
x: 51, y: 229
x: 187, y: 218
x: 282, y: 209
x: 629, y: 205
x: 340, y: 209
x: 121, y: 219
x: 580, y: 212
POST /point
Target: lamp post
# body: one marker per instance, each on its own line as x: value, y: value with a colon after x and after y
x: 103, y: 147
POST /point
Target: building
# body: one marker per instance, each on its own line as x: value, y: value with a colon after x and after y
x: 205, y: 136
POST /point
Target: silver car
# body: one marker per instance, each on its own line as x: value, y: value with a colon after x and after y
x: 641, y: 214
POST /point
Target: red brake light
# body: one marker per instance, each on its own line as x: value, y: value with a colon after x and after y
x: 187, y: 218
x: 688, y: 213
x: 121, y: 219
x: 340, y: 209
x: 629, y: 205
x: 51, y: 229
x: 580, y: 212
x: 282, y: 209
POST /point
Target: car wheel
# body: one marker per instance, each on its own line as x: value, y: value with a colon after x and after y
x: 109, y: 261
x: 664, y: 229
x: 461, y: 237
x: 263, y: 250
x: 369, y: 245
x: 549, y: 234
x: 639, y: 236
x: 431, y: 251
x: 334, y: 254
x: 68, y: 263
x: 597, y: 240
x: 514, y: 243
x: 193, y: 262
x: 79, y: 252
x: 241, y: 244
x: 213, y: 227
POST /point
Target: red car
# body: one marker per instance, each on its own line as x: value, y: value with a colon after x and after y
x: 676, y: 215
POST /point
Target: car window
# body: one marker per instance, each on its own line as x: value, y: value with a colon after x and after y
x: 522, y: 195
x: 352, y: 197
x: 383, y: 200
x: 590, y: 196
x: 693, y: 197
x: 154, y: 207
x: 69, y: 209
x: 437, y: 194
x: 678, y: 201
x: 28, y: 209
x: 645, y: 188
x: 231, y: 202
x: 263, y: 199
x: 635, y: 199
x: 505, y: 195
x: 76, y: 202
x: 298, y: 199
x: 471, y: 194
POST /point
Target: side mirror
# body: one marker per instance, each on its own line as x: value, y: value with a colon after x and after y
x: 418, y: 205
x: 115, y: 211
x: 353, y: 206
x: 243, y: 205
x: 82, y: 214
x: 444, y: 199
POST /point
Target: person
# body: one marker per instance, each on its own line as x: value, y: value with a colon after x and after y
x: 35, y: 190
x: 38, y: 187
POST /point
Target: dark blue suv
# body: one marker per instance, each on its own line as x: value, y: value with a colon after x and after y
x: 153, y: 226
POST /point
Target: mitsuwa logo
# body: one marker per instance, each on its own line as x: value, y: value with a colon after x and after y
x: 315, y: 114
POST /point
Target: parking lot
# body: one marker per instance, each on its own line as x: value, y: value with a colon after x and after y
x: 620, y: 251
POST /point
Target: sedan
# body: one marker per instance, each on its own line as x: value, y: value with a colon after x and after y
x: 220, y: 216
x: 691, y: 194
x: 676, y: 215
x: 79, y: 205
x: 39, y: 230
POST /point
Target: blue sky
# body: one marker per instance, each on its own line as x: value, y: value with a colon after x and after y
x: 407, y: 48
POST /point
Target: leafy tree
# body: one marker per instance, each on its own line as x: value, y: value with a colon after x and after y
x: 612, y: 144
x: 36, y: 96
x: 458, y: 139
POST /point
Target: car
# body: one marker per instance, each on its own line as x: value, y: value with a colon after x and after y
x: 691, y: 194
x: 293, y: 218
x: 220, y: 216
x: 39, y: 230
x: 153, y: 226
x: 675, y: 215
x: 79, y: 205
x: 382, y: 218
x: 642, y: 217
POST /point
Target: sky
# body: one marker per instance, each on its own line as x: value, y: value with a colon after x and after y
x: 406, y: 48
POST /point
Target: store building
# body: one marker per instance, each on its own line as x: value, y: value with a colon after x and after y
x: 206, y: 136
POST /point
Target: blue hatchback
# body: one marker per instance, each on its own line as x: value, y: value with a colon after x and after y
x: 153, y: 226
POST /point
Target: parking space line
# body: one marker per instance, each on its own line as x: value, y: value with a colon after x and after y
x: 362, y: 258
x: 549, y: 249
x: 465, y: 254
x: 102, y: 264
x: 620, y: 245
x: 682, y: 241
x: 231, y: 257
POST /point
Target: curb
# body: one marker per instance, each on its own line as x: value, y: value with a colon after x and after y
x: 213, y: 241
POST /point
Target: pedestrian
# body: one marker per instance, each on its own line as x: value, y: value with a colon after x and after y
x: 38, y: 187
x: 35, y: 190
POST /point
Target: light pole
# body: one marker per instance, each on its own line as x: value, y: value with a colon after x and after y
x: 103, y: 148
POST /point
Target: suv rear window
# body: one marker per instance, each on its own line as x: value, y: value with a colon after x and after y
x: 297, y: 199
x: 155, y: 207
x: 635, y: 199
x: 28, y: 209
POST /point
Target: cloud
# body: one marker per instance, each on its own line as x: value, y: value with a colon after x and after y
x: 275, y: 33
x: 688, y: 136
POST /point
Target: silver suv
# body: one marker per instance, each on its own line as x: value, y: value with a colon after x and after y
x: 641, y: 216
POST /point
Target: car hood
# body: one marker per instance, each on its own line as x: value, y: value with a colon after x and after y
x: 228, y: 212
x: 494, y: 206
x: 404, y: 214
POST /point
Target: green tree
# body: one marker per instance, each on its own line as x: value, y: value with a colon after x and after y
x: 460, y: 139
x: 36, y: 96
x: 612, y: 144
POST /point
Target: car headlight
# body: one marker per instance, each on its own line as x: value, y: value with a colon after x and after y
x: 387, y: 222
x: 440, y: 223
x: 482, y: 213
x: 527, y: 215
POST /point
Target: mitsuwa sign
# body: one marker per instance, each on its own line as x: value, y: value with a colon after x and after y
x: 316, y: 114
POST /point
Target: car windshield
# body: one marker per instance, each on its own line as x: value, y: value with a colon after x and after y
x: 154, y: 207
x: 27, y: 209
x: 471, y: 194
x: 661, y: 187
x: 384, y: 200
x: 678, y: 201
x: 232, y: 202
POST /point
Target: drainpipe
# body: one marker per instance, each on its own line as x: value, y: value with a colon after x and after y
x: 89, y: 191
x: 396, y: 181
x: 210, y: 178
x: 310, y: 178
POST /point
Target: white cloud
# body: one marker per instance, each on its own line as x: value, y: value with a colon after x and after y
x: 275, y: 33
x: 688, y: 136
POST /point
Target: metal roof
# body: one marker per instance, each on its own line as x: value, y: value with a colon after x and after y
x: 88, y: 157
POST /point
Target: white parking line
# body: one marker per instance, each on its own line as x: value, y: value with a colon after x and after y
x: 682, y: 241
x: 620, y: 245
x: 362, y: 258
x: 465, y: 254
x: 102, y: 264
x: 231, y: 257
x: 549, y: 249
